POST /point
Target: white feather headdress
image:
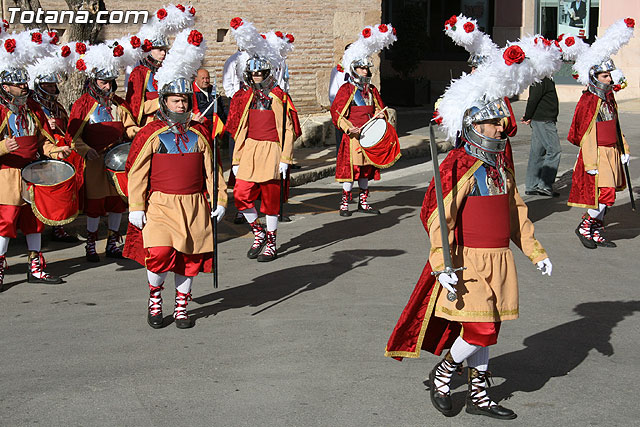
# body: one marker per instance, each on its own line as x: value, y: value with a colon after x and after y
x: 168, y: 21
x: 372, y: 40
x: 585, y: 56
x: 60, y: 63
x: 507, y: 72
x: 108, y: 57
x: 253, y: 43
x: 465, y: 33
x: 280, y: 42
x: 183, y: 59
x: 19, y: 50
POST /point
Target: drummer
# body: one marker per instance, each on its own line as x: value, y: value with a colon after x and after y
x: 25, y: 135
x: 99, y: 120
x: 356, y: 102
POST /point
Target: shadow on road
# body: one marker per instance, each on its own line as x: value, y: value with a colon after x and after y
x: 279, y: 286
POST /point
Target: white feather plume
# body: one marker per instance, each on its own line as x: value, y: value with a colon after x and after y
x: 26, y: 51
x: 251, y: 41
x: 132, y: 55
x: 55, y: 64
x: 382, y: 36
x: 572, y: 47
x: 475, y: 41
x: 175, y: 21
x: 182, y: 61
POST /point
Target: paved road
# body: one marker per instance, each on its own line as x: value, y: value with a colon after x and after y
x: 300, y: 341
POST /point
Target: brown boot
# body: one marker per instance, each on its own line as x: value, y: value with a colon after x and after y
x: 439, y: 380
x: 479, y: 402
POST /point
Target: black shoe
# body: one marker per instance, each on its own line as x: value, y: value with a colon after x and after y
x: 46, y: 280
x: 254, y: 252
x: 547, y: 192
x: 239, y: 219
x: 117, y: 254
x: 267, y: 258
x: 93, y: 258
x: 495, y: 411
x: 156, y: 322
x: 345, y: 213
x: 606, y: 244
x: 184, y: 323
x: 68, y: 238
x: 295, y: 166
x: 531, y: 192
x: 587, y: 243
x: 440, y: 401
x: 368, y: 211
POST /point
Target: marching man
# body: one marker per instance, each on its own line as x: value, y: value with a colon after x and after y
x: 604, y: 152
x: 483, y: 211
x: 357, y: 102
x: 263, y: 143
x: 169, y: 167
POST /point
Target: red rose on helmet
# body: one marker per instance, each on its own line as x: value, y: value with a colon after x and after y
x: 570, y: 41
x: 135, y: 42
x: 54, y: 37
x: 36, y: 37
x: 290, y: 38
x: 453, y: 20
x: 65, y: 51
x: 195, y: 37
x: 118, y: 51
x: 393, y: 31
x: 560, y: 37
x: 513, y: 55
x: 161, y: 14
x: 339, y: 68
x: 383, y: 28
x: 469, y: 27
x: 10, y: 45
x: 80, y: 65
x: 81, y: 48
x: 236, y: 23
x: 181, y: 7
x: 617, y: 88
x: 546, y: 42
x: 366, y: 32
x: 279, y: 34
x: 437, y: 118
x: 192, y: 10
x: 575, y: 76
x: 147, y: 45
x: 5, y: 24
x: 630, y: 22
x: 263, y: 36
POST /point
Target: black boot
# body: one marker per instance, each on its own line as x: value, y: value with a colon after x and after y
x: 113, y: 250
x: 344, y: 203
x: 180, y: 312
x: 90, y: 247
x: 598, y: 238
x: 440, y: 393
x: 259, y: 240
x: 585, y: 233
x: 270, y: 253
x: 3, y: 267
x: 478, y: 401
x: 154, y: 315
x: 364, y: 206
x: 61, y: 235
x: 36, y: 273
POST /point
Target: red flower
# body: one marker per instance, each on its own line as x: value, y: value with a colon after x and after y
x: 383, y: 28
x: 161, y: 14
x: 181, y: 7
x: 65, y: 51
x: 630, y: 23
x: 192, y: 11
x: 437, y: 119
x: 469, y: 27
x: 81, y: 48
x: 546, y: 42
x: 10, y: 45
x: 80, y: 65
x: 290, y: 38
x: 570, y: 41
x: 36, y: 37
x: 5, y: 24
x: 513, y: 55
x: 195, y: 37
x: 236, y: 23
x: 366, y: 32
x: 263, y: 36
x: 617, y: 88
x: 279, y: 34
x: 453, y: 20
x: 147, y: 45
x: 557, y: 44
x: 118, y: 51
x: 560, y: 37
x: 135, y: 42
x: 394, y: 31
x: 339, y: 68
x: 575, y: 76
x: 54, y: 37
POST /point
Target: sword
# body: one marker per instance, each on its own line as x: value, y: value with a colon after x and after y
x: 626, y: 166
x: 444, y: 230
x: 214, y: 201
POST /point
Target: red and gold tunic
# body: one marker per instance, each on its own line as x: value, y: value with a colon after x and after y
x: 142, y: 95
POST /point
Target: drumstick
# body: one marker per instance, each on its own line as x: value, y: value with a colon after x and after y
x: 371, y: 119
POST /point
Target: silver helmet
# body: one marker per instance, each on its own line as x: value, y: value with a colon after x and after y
x: 596, y: 86
x: 256, y: 64
x: 160, y: 41
x: 14, y: 76
x: 40, y: 93
x: 102, y: 74
x: 359, y: 80
x: 179, y: 86
x: 480, y: 146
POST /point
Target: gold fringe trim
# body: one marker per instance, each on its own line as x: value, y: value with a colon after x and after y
x: 48, y: 221
x: 488, y: 314
x: 364, y: 152
x: 116, y: 184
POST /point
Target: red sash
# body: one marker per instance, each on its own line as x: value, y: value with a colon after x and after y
x: 607, y: 133
x: 26, y: 153
x: 262, y: 125
x: 150, y: 96
x: 101, y: 136
x: 360, y: 115
x: 484, y: 222
x: 177, y: 173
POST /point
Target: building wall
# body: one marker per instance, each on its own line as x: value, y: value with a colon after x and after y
x: 321, y: 30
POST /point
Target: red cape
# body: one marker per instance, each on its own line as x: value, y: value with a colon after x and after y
x: 136, y: 90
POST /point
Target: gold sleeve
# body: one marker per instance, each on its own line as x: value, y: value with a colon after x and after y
x: 522, y: 229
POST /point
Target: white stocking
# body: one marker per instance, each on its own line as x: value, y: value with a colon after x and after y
x: 272, y: 222
x: 92, y: 224
x: 347, y: 186
x: 363, y: 183
x: 156, y: 279
x: 183, y: 283
x: 461, y: 350
x: 597, y: 213
x: 4, y: 245
x: 250, y: 215
x: 479, y: 359
x: 113, y: 220
x: 34, y: 242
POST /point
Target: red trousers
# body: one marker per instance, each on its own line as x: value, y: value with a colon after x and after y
x: 12, y: 217
x: 245, y: 194
x: 480, y: 333
x: 160, y: 259
x: 607, y: 196
x: 100, y: 207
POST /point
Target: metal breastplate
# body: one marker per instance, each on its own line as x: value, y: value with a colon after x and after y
x: 359, y: 99
x: 606, y: 112
x: 18, y: 129
x: 101, y: 114
x: 150, y: 87
x: 486, y: 185
x: 170, y: 143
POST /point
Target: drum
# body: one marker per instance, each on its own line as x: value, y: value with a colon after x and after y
x: 114, y: 162
x: 380, y: 143
x: 50, y: 186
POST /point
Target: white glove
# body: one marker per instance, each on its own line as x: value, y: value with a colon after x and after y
x: 624, y: 158
x: 545, y: 266
x: 283, y: 168
x: 234, y: 169
x: 218, y: 213
x: 592, y: 171
x: 448, y: 280
x: 138, y: 219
